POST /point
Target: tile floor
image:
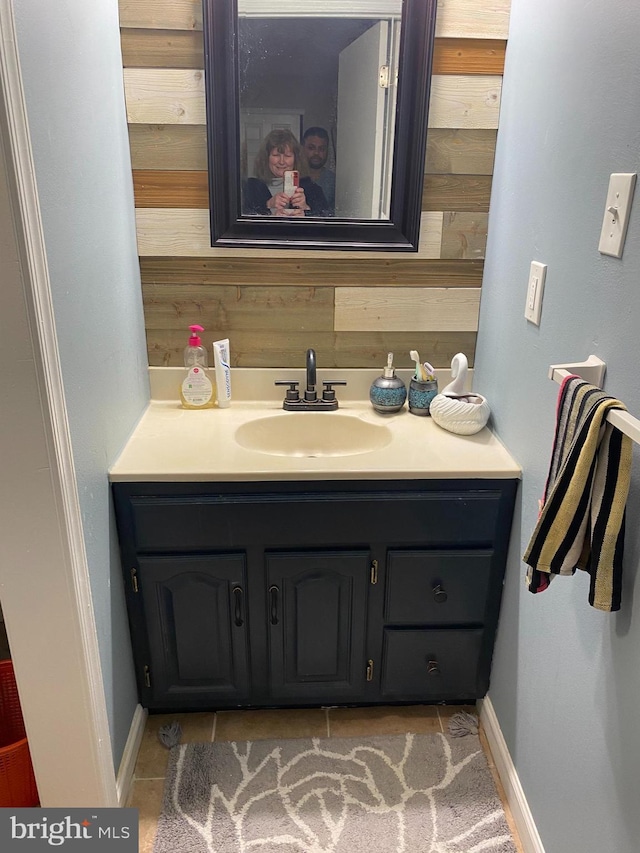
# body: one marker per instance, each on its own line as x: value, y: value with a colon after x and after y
x: 146, y: 794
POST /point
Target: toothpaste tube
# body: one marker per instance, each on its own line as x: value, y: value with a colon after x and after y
x: 223, y: 372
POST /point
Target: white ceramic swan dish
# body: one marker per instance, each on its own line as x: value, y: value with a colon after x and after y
x: 454, y: 409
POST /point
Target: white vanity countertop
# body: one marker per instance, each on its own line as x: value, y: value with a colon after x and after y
x: 172, y: 444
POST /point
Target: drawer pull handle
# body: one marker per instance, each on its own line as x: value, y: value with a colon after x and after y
x: 237, y: 596
x: 369, y: 670
x: 273, y: 593
x: 439, y: 594
x: 433, y: 667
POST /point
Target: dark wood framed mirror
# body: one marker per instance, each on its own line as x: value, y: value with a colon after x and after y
x: 243, y: 40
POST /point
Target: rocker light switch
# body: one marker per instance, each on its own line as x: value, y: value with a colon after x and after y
x: 616, y: 214
x: 535, y: 288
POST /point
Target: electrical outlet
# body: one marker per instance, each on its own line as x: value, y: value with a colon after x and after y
x: 535, y: 289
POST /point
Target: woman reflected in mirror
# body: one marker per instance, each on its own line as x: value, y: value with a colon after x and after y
x: 265, y: 195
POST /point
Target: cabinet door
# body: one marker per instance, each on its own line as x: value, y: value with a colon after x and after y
x: 196, y: 623
x: 317, y: 622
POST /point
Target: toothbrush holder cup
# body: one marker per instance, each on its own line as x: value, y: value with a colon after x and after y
x: 421, y: 394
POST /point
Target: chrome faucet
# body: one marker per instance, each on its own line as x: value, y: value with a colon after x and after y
x: 310, y: 403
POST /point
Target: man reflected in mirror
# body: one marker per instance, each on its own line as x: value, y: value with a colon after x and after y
x: 315, y: 143
x: 265, y: 194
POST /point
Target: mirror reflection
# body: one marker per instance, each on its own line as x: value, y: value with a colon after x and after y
x: 317, y: 107
x: 281, y: 184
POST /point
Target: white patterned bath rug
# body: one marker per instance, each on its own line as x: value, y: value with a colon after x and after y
x: 399, y: 794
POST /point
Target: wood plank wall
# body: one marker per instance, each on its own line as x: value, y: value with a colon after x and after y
x: 353, y: 307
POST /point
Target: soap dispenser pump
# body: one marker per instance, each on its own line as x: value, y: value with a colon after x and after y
x: 388, y: 392
x: 196, y: 391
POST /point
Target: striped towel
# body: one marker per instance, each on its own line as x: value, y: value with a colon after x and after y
x: 581, y: 524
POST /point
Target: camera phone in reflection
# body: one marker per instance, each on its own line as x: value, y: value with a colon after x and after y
x: 291, y: 181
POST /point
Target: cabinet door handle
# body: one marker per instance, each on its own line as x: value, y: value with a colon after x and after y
x: 439, y: 593
x: 273, y: 594
x: 433, y: 667
x: 237, y: 602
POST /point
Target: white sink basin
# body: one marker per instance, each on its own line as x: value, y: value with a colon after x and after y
x: 312, y: 434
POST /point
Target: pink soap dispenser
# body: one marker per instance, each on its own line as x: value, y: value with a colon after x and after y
x: 196, y: 391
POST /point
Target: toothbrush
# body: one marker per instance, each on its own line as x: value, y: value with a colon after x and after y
x: 419, y: 374
x: 430, y: 371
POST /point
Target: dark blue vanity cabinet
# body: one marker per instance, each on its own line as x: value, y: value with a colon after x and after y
x: 313, y: 593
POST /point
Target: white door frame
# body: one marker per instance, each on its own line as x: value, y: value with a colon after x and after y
x: 44, y: 576
x: 360, y: 146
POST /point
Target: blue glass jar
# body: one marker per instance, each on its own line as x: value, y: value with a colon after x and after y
x: 421, y: 394
x: 388, y: 395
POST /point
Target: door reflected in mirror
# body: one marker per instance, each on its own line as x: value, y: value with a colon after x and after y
x: 316, y: 121
x: 330, y: 83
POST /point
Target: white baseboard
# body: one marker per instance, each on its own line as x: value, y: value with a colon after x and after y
x: 130, y: 754
x: 509, y: 777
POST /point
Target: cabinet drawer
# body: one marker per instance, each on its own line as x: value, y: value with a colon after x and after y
x: 437, y: 587
x: 430, y: 664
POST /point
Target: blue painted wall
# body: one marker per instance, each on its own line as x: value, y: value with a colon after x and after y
x: 72, y: 72
x: 566, y: 678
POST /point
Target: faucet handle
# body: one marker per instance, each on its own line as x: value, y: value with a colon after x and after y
x: 292, y: 395
x: 328, y: 394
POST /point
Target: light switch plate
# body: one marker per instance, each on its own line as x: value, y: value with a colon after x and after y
x: 616, y: 213
x: 535, y: 289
